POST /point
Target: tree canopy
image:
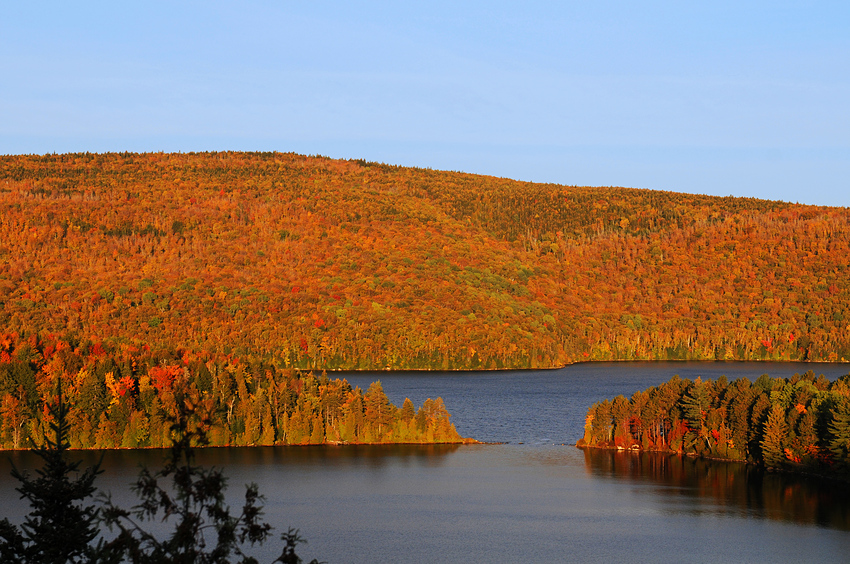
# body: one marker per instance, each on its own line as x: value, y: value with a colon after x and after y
x: 64, y: 526
x: 123, y: 396
x: 328, y: 264
x: 800, y: 423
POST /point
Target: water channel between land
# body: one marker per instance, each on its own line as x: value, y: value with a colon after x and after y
x: 533, y: 498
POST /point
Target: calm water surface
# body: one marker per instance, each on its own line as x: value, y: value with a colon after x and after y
x: 532, y: 499
x: 549, y: 406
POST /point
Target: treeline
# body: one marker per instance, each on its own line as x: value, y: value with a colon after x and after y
x: 800, y: 423
x: 329, y: 264
x: 122, y: 396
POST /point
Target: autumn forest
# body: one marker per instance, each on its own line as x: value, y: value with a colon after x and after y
x: 242, y: 276
x: 800, y: 423
x: 329, y: 264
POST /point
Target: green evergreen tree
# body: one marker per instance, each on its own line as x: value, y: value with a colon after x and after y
x: 839, y: 428
x: 620, y: 414
x: 378, y: 410
x: 205, y: 532
x: 758, y: 418
x: 742, y: 399
x: 60, y: 527
x: 772, y: 444
x: 695, y: 406
x: 806, y: 440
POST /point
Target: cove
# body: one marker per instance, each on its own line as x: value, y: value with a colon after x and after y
x: 534, y: 498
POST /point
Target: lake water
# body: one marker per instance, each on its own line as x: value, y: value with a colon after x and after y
x: 534, y: 498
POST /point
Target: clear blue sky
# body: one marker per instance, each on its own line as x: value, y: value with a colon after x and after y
x: 749, y: 99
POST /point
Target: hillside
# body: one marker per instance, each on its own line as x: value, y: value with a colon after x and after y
x: 318, y: 263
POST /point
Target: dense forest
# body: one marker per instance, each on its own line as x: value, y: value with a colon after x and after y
x: 314, y: 263
x: 800, y: 423
x: 125, y: 396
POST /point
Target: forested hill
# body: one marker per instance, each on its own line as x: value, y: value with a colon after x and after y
x: 318, y: 263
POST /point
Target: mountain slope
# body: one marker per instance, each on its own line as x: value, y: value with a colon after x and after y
x: 324, y: 263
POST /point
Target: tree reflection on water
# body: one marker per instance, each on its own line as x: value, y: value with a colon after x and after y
x: 727, y: 487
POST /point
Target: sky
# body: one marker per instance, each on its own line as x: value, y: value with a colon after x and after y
x: 724, y: 98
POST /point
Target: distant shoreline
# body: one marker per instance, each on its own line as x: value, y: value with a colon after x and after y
x: 643, y: 361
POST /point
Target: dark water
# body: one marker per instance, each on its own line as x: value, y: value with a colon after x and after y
x: 533, y: 499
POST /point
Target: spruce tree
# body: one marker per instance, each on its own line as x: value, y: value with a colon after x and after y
x: 205, y: 531
x: 775, y: 430
x: 60, y: 527
x: 695, y: 404
x: 758, y: 418
x: 601, y: 427
x: 408, y: 411
x: 839, y: 428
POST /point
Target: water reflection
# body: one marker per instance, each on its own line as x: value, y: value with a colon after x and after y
x: 273, y: 468
x: 128, y: 461
x: 698, y: 486
x: 341, y: 456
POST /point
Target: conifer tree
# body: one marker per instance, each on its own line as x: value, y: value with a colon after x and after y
x: 600, y: 424
x: 695, y: 404
x: 378, y: 410
x: 839, y: 428
x: 60, y: 527
x: 774, y: 436
x: 407, y: 410
x: 620, y: 416
x: 205, y: 532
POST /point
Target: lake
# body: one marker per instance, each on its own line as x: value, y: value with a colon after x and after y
x: 534, y: 498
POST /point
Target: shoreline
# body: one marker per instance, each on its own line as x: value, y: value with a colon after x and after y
x: 577, y: 363
x: 464, y: 441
